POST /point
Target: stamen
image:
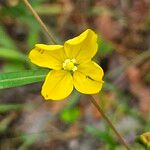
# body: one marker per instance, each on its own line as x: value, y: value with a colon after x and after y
x: 67, y: 61
x: 69, y: 64
x: 73, y: 60
x: 74, y: 68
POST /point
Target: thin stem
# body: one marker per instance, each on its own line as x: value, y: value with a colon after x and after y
x: 93, y: 100
x: 39, y: 20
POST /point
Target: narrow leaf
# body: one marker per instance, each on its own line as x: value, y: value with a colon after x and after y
x: 5, y: 107
x: 5, y: 40
x: 10, y: 54
x: 15, y: 79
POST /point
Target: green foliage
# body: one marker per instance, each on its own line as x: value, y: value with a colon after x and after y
x: 13, y: 66
x: 15, y: 79
x: 148, y: 123
x: 28, y: 140
x: 70, y: 115
x: 104, y: 135
x: 71, y: 112
x: 105, y: 47
x: 5, y: 123
x: 15, y: 60
x: 5, y: 40
x: 10, y: 54
x: 20, y: 9
x: 4, y: 108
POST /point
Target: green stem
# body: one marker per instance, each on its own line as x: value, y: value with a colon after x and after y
x: 93, y: 100
x: 40, y: 21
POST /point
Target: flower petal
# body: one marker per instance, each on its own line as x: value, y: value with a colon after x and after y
x: 49, y: 56
x: 58, y: 85
x: 88, y: 78
x: 91, y: 69
x: 82, y: 47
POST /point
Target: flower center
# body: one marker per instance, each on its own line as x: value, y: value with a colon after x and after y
x: 69, y: 64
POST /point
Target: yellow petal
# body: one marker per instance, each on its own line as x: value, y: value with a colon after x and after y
x: 49, y: 56
x: 82, y: 47
x: 91, y: 69
x: 88, y: 78
x: 58, y: 85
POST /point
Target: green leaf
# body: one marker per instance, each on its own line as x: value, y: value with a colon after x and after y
x: 15, y: 79
x: 4, y: 123
x: 105, y: 47
x: 74, y: 99
x: 5, y: 40
x: 8, y: 53
x: 33, y: 37
x: 13, y: 66
x: 70, y: 115
x: 54, y: 9
x: 5, y: 108
x: 102, y: 135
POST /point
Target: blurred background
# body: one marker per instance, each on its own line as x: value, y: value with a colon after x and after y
x: 123, y: 26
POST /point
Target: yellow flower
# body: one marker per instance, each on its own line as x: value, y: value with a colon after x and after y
x: 71, y: 66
